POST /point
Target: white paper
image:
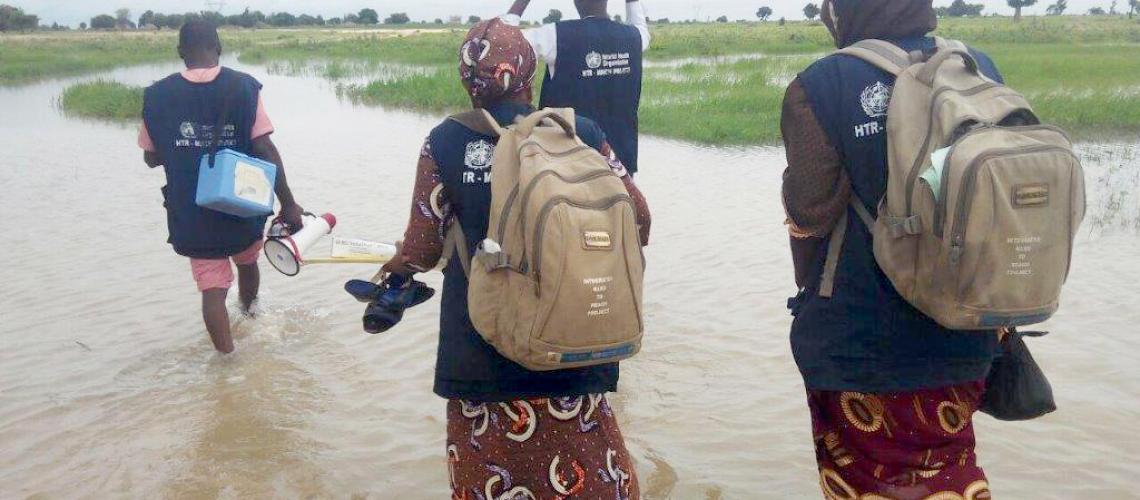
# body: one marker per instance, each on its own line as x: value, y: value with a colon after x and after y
x: 348, y: 247
x: 933, y: 175
x: 251, y: 184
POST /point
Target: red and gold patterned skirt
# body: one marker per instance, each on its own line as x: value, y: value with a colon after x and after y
x: 556, y: 448
x: 913, y: 445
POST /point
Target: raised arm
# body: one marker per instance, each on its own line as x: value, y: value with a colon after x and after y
x: 519, y: 7
x: 543, y: 39
x: 635, y: 16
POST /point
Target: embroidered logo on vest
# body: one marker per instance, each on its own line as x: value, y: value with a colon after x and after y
x: 593, y: 60
x: 187, y: 130
x: 478, y: 155
x: 875, y: 99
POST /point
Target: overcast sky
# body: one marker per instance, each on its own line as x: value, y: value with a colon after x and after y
x: 72, y: 12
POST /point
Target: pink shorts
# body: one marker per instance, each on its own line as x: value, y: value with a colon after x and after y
x: 217, y: 273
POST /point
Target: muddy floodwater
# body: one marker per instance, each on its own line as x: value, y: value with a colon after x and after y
x: 109, y: 387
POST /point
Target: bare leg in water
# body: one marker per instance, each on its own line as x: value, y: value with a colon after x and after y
x: 217, y: 319
x: 249, y: 281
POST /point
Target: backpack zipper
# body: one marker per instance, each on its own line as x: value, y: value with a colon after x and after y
x: 514, y: 193
x: 940, y: 211
x: 912, y: 176
x: 538, y: 145
x: 587, y: 177
x: 962, y: 210
x: 543, y: 215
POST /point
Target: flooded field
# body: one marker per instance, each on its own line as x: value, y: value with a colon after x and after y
x: 109, y: 387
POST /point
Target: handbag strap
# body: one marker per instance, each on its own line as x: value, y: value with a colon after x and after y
x: 219, y: 126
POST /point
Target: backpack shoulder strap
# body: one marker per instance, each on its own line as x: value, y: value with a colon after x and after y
x: 835, y: 246
x: 947, y: 43
x: 883, y: 55
x: 562, y: 117
x: 478, y: 120
x: 455, y: 247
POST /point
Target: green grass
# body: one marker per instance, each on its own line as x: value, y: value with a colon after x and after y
x: 104, y: 100
x: 1090, y: 90
x: 1082, y: 73
x: 410, y: 47
x: 26, y: 58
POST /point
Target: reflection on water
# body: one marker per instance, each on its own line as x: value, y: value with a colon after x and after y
x: 1114, y: 187
x: 109, y: 387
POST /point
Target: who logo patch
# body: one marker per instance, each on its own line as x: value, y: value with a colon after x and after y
x: 478, y: 155
x: 593, y: 60
x: 875, y: 99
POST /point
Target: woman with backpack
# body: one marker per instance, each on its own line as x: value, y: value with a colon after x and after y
x: 891, y: 393
x: 511, y: 432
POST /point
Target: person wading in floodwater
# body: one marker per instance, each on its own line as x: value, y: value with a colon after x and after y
x: 891, y: 393
x: 180, y: 117
x: 511, y: 432
x: 593, y: 65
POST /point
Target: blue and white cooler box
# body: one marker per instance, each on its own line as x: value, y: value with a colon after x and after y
x: 237, y: 184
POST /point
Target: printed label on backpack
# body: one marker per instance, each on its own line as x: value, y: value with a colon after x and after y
x: 597, y: 240
x: 1031, y: 195
x: 600, y: 306
x: 1023, y: 250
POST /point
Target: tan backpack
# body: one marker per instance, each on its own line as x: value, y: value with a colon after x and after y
x: 557, y: 283
x: 982, y: 203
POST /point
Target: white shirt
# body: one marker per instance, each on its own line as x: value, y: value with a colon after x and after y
x: 544, y: 39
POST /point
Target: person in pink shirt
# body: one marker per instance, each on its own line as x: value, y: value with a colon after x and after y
x: 190, y: 114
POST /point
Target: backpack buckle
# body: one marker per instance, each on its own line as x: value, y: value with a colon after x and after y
x: 912, y: 225
x: 899, y: 227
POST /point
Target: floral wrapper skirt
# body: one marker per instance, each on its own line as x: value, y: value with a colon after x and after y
x: 550, y: 448
x: 912, y: 445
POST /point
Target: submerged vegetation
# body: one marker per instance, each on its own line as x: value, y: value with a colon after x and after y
x: 711, y: 83
x: 103, y: 99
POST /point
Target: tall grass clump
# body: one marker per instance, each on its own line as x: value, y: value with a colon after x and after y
x: 440, y: 91
x: 103, y: 99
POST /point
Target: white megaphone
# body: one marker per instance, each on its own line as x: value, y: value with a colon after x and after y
x: 284, y: 251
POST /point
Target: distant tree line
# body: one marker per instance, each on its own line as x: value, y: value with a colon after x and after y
x: 255, y: 18
x: 14, y: 19
x: 959, y: 8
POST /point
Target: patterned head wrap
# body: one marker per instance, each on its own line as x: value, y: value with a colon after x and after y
x: 495, y: 62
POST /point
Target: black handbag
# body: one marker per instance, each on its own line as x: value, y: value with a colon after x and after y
x: 1016, y: 389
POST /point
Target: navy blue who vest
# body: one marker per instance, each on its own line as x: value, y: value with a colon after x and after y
x: 866, y: 337
x: 181, y: 117
x: 467, y: 367
x: 598, y: 73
